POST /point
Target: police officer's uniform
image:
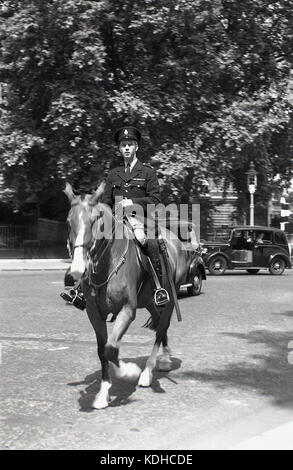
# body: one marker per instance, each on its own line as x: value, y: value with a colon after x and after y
x: 141, y: 185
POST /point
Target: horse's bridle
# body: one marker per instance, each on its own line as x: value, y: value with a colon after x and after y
x: 91, y: 270
x: 71, y: 249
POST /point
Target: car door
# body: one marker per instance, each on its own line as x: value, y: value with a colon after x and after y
x: 241, y: 249
x: 263, y: 248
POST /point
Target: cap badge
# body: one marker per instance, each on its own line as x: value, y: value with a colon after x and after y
x: 125, y: 132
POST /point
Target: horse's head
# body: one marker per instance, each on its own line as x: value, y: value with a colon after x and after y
x: 84, y: 212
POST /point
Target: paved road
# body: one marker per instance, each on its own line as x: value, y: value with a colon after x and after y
x: 230, y: 382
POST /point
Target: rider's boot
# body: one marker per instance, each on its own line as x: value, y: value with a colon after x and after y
x: 161, y: 296
x: 69, y: 282
x: 75, y: 297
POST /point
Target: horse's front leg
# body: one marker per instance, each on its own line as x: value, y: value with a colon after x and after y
x: 102, y: 399
x: 129, y: 370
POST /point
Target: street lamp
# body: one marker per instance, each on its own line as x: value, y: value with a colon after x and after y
x: 251, y: 183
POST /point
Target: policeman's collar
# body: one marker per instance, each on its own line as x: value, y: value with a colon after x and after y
x: 132, y: 163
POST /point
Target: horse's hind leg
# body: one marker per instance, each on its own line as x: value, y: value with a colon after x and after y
x: 123, y: 370
x: 164, y: 362
x: 146, y: 376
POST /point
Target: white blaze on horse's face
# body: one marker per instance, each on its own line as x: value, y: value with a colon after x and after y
x: 82, y: 230
x: 78, y: 264
x: 80, y: 222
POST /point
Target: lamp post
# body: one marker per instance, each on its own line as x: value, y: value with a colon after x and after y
x: 251, y: 183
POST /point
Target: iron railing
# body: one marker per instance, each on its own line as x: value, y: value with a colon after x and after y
x: 13, y: 236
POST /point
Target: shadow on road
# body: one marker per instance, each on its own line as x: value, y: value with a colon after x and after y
x: 269, y: 374
x: 122, y: 390
x: 289, y: 313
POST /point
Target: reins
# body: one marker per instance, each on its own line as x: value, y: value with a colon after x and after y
x: 115, y: 270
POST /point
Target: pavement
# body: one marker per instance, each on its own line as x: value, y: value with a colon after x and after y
x: 278, y: 438
x: 34, y: 264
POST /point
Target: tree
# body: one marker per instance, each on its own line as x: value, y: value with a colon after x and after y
x: 52, y: 60
x: 208, y: 82
x: 245, y: 109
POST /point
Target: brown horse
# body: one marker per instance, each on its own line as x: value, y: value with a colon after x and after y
x: 114, y: 279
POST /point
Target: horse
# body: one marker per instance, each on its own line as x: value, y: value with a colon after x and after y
x: 114, y: 279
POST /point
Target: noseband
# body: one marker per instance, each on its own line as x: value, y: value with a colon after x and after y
x: 70, y: 250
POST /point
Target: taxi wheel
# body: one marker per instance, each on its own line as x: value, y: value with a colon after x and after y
x: 277, y: 266
x: 195, y: 289
x: 252, y: 271
x: 217, y: 265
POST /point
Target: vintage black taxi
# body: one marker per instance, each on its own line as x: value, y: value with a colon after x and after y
x: 250, y: 248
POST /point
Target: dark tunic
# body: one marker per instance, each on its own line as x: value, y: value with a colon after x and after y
x: 141, y: 186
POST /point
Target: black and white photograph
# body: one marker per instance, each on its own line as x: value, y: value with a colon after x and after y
x: 146, y: 227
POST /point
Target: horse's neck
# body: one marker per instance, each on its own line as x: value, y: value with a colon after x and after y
x: 113, y: 247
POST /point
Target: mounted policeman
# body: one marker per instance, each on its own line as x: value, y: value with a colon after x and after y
x: 128, y: 186
x: 135, y: 183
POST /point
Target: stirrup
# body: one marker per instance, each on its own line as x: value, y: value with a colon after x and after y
x: 161, y: 297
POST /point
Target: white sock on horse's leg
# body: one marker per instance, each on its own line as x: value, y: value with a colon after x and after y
x: 102, y: 399
x: 146, y: 376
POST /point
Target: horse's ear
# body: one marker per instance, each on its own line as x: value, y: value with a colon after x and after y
x: 98, y: 192
x: 69, y: 192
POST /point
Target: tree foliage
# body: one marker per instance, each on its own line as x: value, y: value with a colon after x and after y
x: 207, y: 81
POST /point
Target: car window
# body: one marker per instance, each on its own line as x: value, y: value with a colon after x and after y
x: 263, y: 236
x: 280, y: 238
x: 237, y: 233
x: 240, y: 239
x: 184, y: 230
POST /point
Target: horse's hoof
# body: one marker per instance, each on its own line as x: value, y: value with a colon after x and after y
x: 100, y: 403
x: 145, y: 378
x: 164, y: 365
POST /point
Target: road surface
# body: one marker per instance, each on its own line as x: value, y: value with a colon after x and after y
x: 231, y: 378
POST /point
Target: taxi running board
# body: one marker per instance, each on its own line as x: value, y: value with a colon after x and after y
x: 186, y: 285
